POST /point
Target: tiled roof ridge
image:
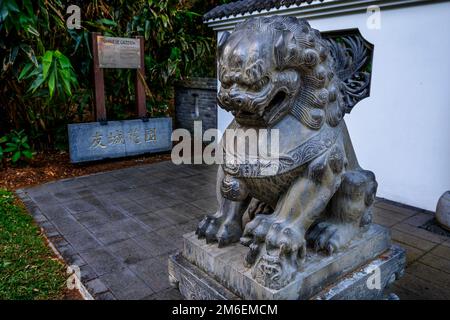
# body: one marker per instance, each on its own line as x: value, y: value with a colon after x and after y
x: 246, y: 6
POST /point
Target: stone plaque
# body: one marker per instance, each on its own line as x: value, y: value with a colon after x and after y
x: 94, y: 141
x: 119, y: 53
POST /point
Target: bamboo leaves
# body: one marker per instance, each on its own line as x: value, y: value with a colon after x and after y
x: 55, y: 72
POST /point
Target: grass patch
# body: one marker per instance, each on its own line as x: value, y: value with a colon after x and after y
x: 28, y: 267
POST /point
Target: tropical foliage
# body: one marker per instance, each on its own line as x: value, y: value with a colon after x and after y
x: 46, y: 75
x: 15, y: 147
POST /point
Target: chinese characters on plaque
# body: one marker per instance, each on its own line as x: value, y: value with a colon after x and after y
x: 93, y: 141
x: 114, y: 139
x: 118, y: 137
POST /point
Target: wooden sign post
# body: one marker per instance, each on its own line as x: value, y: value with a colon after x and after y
x: 114, y: 139
x: 118, y: 53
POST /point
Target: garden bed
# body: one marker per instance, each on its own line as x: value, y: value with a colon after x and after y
x: 46, y: 167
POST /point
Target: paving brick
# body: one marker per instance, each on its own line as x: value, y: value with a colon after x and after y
x: 82, y: 241
x: 110, y: 188
x: 153, y: 221
x: 155, y: 244
x: 58, y: 241
x: 44, y: 197
x: 131, y: 208
x: 53, y: 211
x: 428, y: 273
x: 208, y: 205
x: 420, y: 233
x: 174, y: 234
x: 63, y: 195
x: 423, y: 288
x: 71, y: 257
x: 115, y: 231
x: 411, y: 240
x: 97, y: 179
x: 129, y: 251
x: 102, y: 261
x: 168, y: 294
x: 96, y: 286
x: 39, y: 218
x: 91, y: 218
x: 105, y: 296
x: 436, y: 262
x: 404, y: 293
x: 388, y: 215
x: 419, y: 219
x: 385, y: 222
x: 49, y: 229
x: 124, y: 284
x: 176, y: 215
x: 87, y: 273
x: 68, y: 225
x: 79, y: 205
x: 400, y: 209
x: 153, y: 273
x: 446, y: 243
x: 412, y: 254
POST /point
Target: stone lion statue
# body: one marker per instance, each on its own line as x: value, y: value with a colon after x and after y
x: 279, y: 73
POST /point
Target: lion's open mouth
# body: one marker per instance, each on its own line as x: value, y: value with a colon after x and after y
x: 276, y: 103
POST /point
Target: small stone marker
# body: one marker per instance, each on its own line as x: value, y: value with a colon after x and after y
x: 443, y: 210
x: 93, y: 141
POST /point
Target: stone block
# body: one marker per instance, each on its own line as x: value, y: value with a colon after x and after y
x: 95, y: 141
x: 195, y: 284
x: 226, y: 265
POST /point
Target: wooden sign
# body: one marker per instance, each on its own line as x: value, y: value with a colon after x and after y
x: 111, y: 52
x: 112, y: 139
x: 119, y: 53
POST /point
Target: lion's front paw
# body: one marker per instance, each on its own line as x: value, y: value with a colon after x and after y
x: 208, y: 228
x: 255, y: 235
x: 218, y: 229
x: 277, y: 248
x: 281, y: 256
x: 286, y: 239
x: 331, y: 236
x: 255, y: 231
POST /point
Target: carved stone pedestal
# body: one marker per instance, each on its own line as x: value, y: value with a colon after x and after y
x: 362, y: 271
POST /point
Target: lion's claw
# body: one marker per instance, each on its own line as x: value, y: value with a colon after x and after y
x: 285, y: 239
x: 331, y: 236
x: 218, y: 229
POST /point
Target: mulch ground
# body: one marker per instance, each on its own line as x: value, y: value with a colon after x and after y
x: 51, y: 166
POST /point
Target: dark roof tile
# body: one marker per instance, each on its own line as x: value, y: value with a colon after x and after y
x: 245, y: 6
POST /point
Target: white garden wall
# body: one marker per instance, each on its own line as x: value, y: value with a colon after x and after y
x: 402, y: 132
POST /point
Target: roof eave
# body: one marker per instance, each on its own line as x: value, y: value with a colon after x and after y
x: 314, y: 10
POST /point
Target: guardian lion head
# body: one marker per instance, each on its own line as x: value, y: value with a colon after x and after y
x: 272, y: 66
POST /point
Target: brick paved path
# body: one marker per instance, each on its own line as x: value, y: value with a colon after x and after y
x: 121, y: 226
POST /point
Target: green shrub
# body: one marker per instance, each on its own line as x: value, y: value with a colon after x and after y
x: 16, y: 148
